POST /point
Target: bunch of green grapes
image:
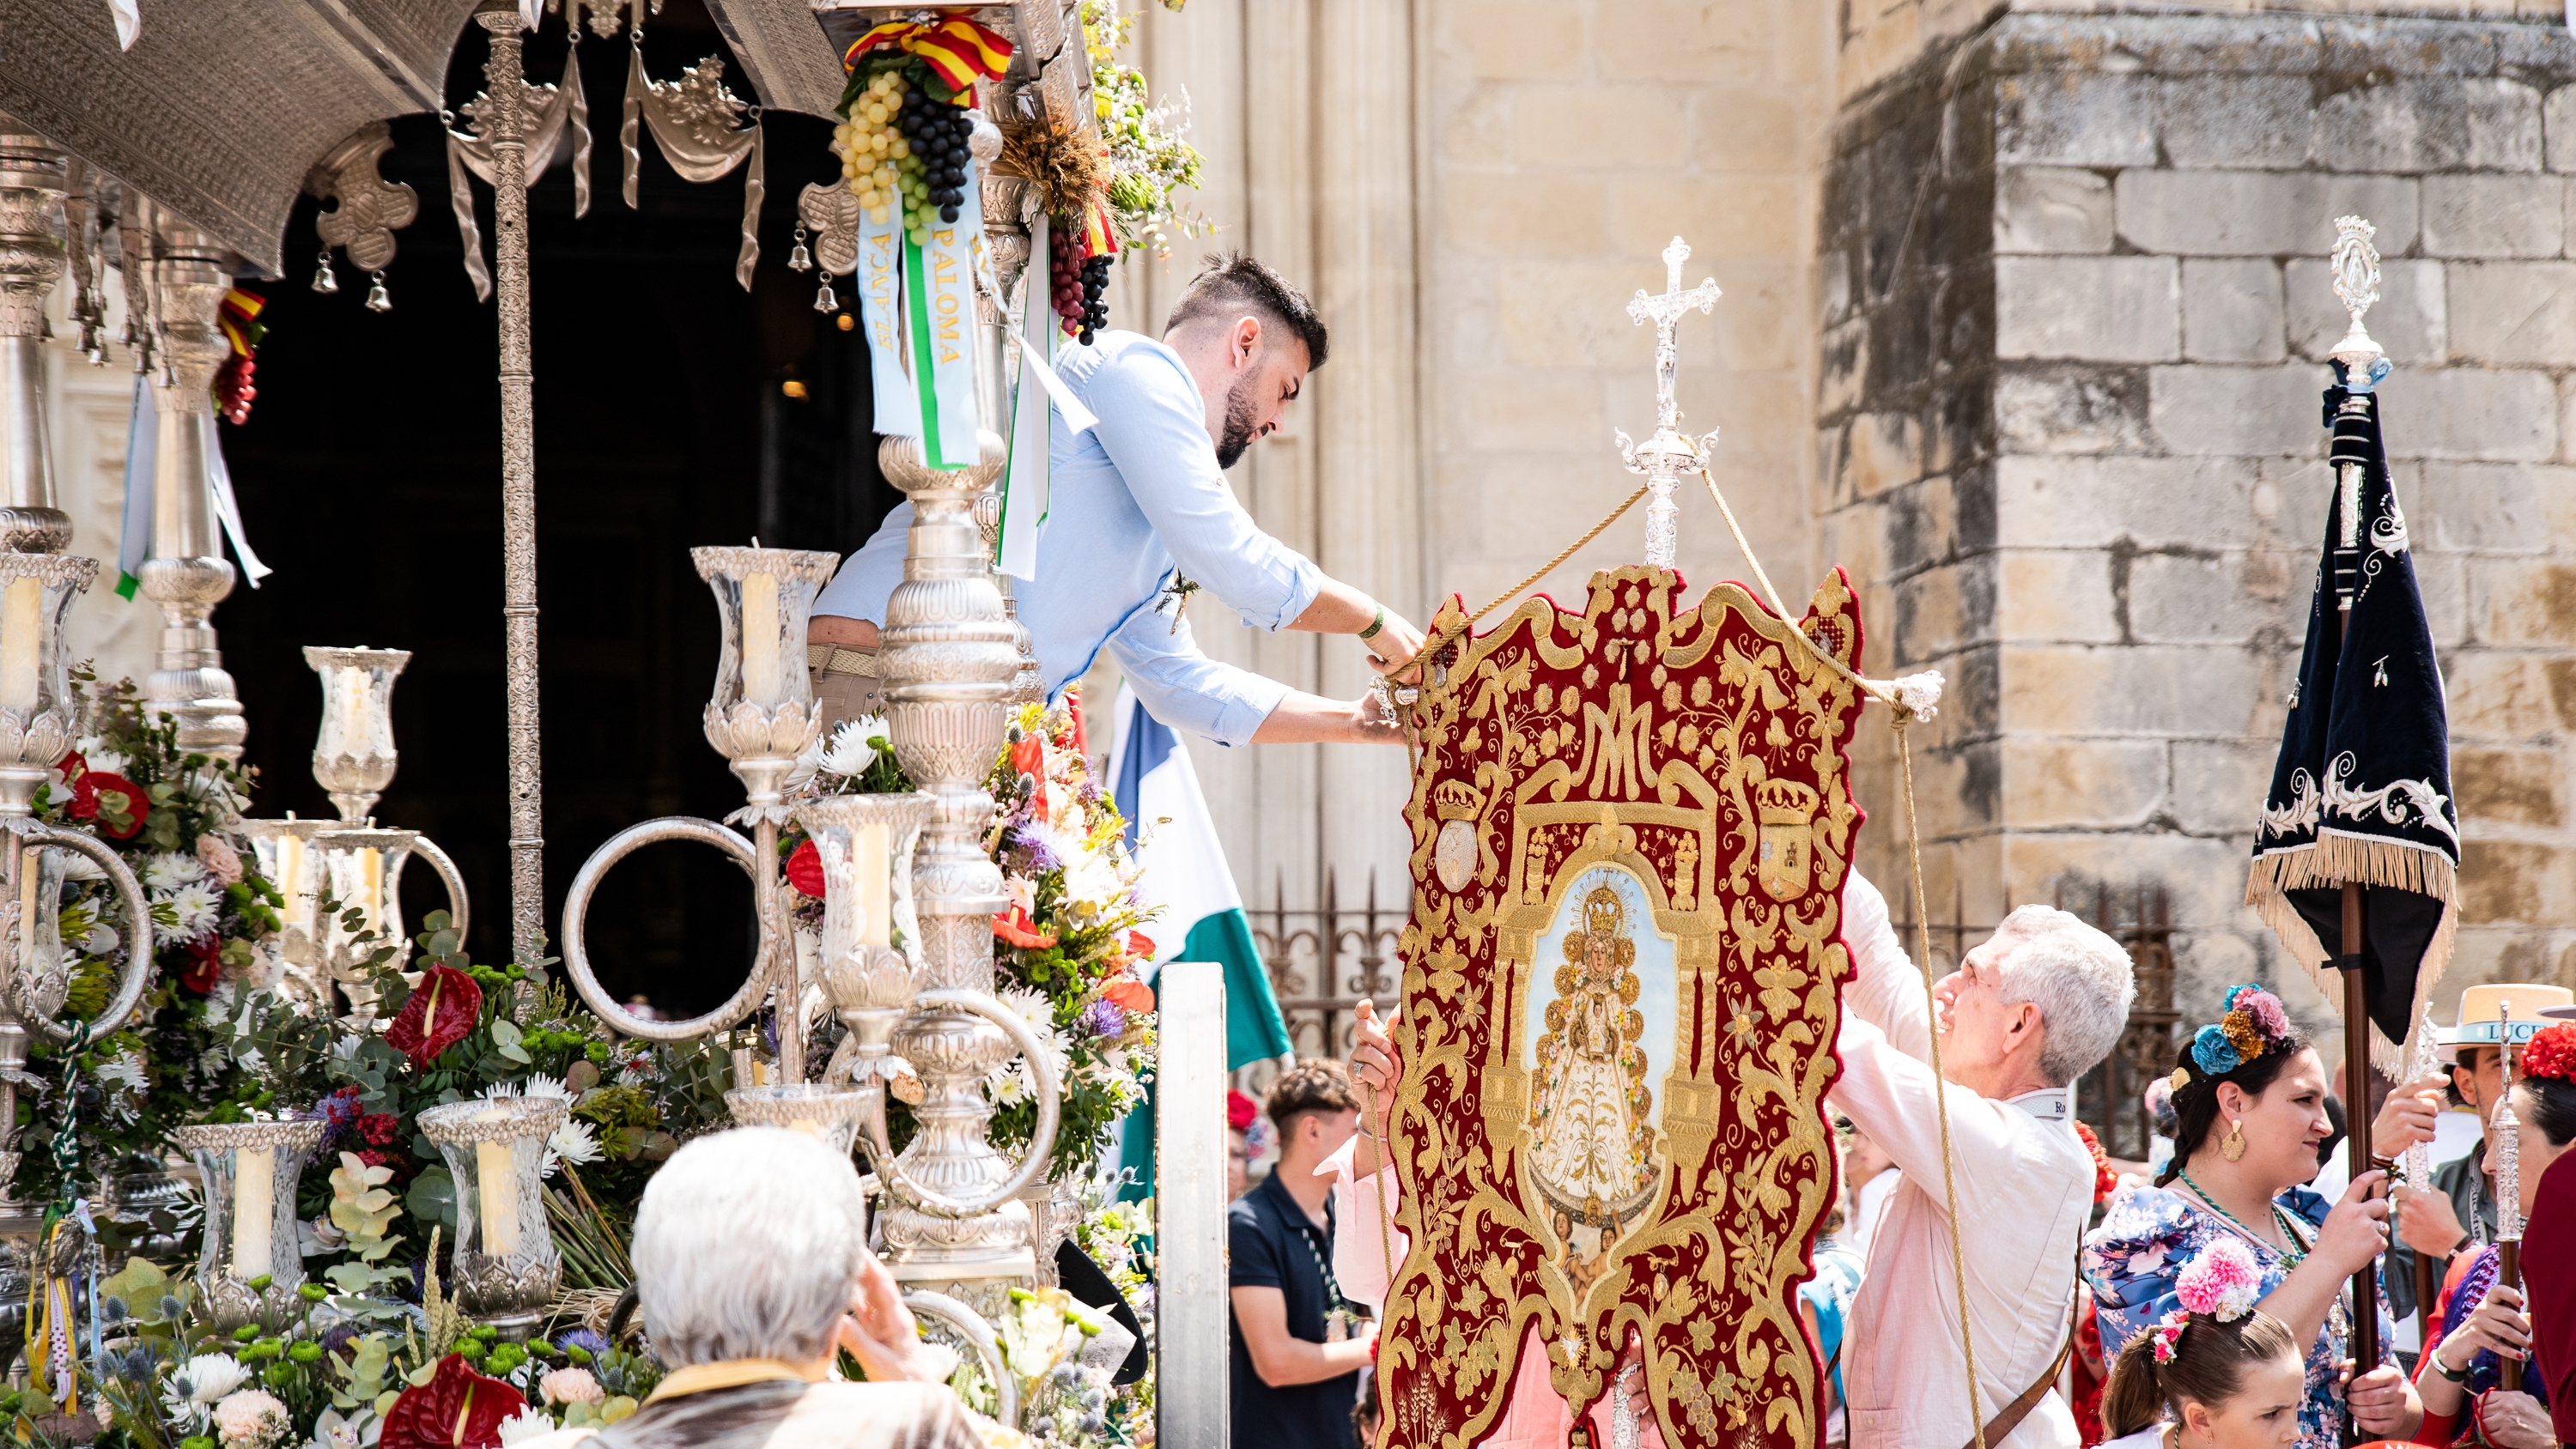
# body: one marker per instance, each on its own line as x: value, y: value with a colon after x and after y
x: 903, y: 144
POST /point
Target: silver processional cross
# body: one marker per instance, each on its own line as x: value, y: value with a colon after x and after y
x: 1668, y: 456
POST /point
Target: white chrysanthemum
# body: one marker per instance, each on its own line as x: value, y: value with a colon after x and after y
x: 849, y: 753
x: 199, y: 1383
x: 194, y: 909
x: 525, y: 1425
x: 573, y: 1142
x: 537, y: 1084
x: 94, y: 749
x: 123, y: 1070
x: 1092, y: 883
x: 168, y: 870
x: 1013, y: 1082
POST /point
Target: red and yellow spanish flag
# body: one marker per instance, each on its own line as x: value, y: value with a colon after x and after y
x: 956, y: 48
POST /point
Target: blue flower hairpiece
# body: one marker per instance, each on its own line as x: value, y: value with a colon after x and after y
x: 2215, y: 1054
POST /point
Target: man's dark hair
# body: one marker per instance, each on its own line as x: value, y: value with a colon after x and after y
x: 1230, y: 284
x: 1315, y: 1084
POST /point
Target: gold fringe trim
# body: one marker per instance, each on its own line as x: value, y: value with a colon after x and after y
x: 2334, y: 860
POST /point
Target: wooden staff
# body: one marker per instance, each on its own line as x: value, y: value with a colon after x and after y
x: 2356, y: 1033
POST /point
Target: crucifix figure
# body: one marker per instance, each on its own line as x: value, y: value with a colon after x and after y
x: 1668, y: 455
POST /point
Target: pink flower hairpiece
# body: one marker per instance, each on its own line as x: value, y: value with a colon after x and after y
x: 2167, y: 1334
x: 2221, y: 1283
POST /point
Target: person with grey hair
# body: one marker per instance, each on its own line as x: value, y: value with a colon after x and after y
x: 2028, y: 1011
x: 752, y: 1267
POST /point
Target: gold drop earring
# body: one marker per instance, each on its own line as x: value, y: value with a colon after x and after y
x: 2234, y: 1144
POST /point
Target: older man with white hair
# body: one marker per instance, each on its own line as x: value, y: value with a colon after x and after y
x: 2027, y: 1012
x: 752, y: 1265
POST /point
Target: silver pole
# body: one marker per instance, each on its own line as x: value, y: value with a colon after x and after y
x: 502, y: 81
x: 34, y: 178
x: 1192, y: 1325
x: 187, y: 574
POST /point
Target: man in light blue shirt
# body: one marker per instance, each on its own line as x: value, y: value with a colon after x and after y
x: 1140, y: 511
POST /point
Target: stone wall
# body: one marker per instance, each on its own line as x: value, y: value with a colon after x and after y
x: 2075, y: 314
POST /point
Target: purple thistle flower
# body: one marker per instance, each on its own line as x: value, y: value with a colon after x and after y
x: 1041, y: 859
x: 584, y: 1339
x: 1105, y: 1019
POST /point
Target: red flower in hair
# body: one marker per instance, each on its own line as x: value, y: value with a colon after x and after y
x: 1240, y: 1110
x: 805, y: 869
x: 2552, y: 1053
x: 457, y: 1409
x: 442, y: 1009
x: 2105, y: 1181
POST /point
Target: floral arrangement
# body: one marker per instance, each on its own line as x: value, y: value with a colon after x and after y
x: 1148, y: 159
x: 1066, y: 949
x: 170, y: 813
x: 2254, y: 1024
x: 1119, y: 1237
x: 2551, y: 1052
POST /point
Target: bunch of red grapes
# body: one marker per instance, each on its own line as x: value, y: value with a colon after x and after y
x: 1080, y: 285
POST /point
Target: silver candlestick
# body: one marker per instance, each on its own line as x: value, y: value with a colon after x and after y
x: 1669, y: 456
x: 760, y: 718
x: 34, y: 179
x: 354, y: 758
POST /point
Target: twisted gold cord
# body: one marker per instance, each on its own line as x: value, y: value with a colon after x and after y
x: 1940, y: 1088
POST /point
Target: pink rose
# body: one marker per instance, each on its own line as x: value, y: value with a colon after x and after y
x: 220, y: 860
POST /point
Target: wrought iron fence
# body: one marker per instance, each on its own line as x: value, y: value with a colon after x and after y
x: 1323, y: 963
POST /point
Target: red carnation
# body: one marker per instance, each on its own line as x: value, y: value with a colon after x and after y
x: 443, y: 1008
x: 2552, y: 1053
x: 1240, y: 1110
x: 379, y: 1127
x: 805, y: 869
x: 1015, y: 927
x: 206, y: 965
x: 456, y: 1409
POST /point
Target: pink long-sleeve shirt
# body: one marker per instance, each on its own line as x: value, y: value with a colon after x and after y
x: 2025, y: 1183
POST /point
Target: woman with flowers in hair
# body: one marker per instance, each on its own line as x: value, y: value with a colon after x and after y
x: 2215, y: 1372
x: 2249, y: 1095
x: 2466, y: 1399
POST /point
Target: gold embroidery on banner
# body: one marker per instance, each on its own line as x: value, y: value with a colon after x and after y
x: 1619, y: 815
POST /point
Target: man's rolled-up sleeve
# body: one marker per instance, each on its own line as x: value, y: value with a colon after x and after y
x: 1184, y: 688
x: 1152, y: 427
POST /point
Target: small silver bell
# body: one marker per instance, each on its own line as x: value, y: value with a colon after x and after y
x: 799, y: 259
x: 325, y: 281
x: 377, y: 301
x: 825, y: 300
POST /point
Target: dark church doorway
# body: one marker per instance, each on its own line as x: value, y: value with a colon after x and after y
x: 673, y: 409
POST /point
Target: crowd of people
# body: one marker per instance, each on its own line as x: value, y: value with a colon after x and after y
x: 2198, y: 1300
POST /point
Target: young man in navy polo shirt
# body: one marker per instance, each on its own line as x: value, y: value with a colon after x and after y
x: 1298, y: 1348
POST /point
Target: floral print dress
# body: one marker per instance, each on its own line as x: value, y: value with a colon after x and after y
x: 2149, y: 1233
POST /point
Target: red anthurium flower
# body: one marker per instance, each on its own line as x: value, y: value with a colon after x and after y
x: 1073, y: 707
x: 205, y: 965
x: 117, y: 803
x: 1140, y: 947
x: 1015, y: 927
x: 457, y: 1409
x: 1028, y: 757
x: 805, y: 869
x: 442, y: 1009
x: 1128, y: 994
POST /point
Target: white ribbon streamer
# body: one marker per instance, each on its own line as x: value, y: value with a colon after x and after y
x: 228, y: 508
x: 1025, y: 487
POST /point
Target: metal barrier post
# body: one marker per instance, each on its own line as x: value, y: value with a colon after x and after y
x: 1193, y: 1331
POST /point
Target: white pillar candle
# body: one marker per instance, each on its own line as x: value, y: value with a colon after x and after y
x: 22, y: 624
x: 371, y: 872
x: 496, y: 1184
x: 254, y: 1211
x: 760, y: 680
x: 298, y: 914
x: 876, y: 886
x: 29, y: 871
x: 806, y: 1125
x: 356, y: 685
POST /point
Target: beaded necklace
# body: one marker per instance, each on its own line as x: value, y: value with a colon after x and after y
x: 2291, y: 1256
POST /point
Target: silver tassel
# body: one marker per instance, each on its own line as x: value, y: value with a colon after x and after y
x: 466, y: 231
x: 580, y: 123
x: 755, y: 187
x: 629, y: 132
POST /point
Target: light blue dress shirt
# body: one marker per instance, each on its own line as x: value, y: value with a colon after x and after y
x: 1132, y: 501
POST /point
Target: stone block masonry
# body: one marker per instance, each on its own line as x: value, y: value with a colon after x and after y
x: 2074, y: 324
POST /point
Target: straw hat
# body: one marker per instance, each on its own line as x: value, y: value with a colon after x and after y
x: 2482, y: 1013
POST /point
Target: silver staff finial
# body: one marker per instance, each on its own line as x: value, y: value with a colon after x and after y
x: 1668, y: 455
x: 2356, y: 284
x: 2508, y: 1137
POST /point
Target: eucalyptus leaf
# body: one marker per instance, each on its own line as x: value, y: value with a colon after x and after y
x: 432, y: 1198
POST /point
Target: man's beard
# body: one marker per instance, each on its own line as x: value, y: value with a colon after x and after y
x: 1241, y: 415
